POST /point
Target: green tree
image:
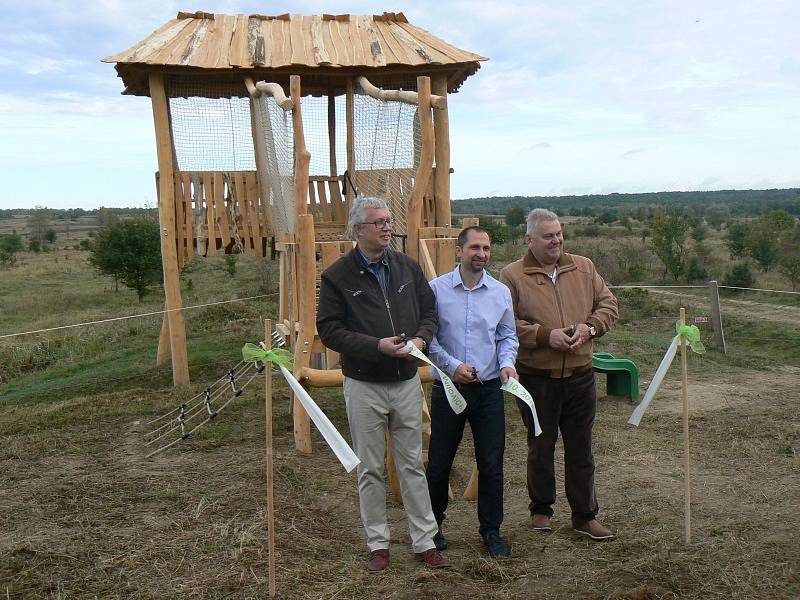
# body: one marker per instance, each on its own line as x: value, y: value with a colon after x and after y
x: 129, y: 251
x: 34, y: 246
x: 781, y: 220
x: 739, y: 276
x: 736, y: 238
x: 50, y: 236
x: 669, y: 242
x: 717, y: 214
x: 38, y: 223
x: 515, y: 216
x: 9, y: 246
x: 699, y: 231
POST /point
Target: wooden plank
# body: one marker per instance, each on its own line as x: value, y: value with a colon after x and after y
x: 151, y: 44
x: 439, y: 50
x: 371, y: 38
x: 166, y: 214
x: 302, y: 156
x: 425, y: 260
x: 180, y: 228
x: 354, y: 40
x: 297, y: 54
x: 226, y: 40
x: 188, y: 214
x: 341, y: 42
x: 337, y: 212
x: 163, y: 54
x: 312, y: 202
x: 332, y: 132
x: 244, y: 205
x: 221, y: 210
x: 392, y: 49
x: 445, y: 255
x: 197, y: 47
x: 255, y: 223
x: 414, y: 218
x: 208, y: 189
x: 238, y: 210
x: 321, y: 56
x: 324, y: 211
x: 327, y: 40
x: 351, y: 147
x: 239, y: 54
x: 422, y: 53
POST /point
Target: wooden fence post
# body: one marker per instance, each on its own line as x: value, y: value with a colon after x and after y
x: 716, y: 316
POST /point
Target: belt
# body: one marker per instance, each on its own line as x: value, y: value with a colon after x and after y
x: 558, y: 373
x: 461, y: 386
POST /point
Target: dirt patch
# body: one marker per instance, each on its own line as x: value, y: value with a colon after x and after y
x: 84, y: 515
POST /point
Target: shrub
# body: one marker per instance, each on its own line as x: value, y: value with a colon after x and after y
x: 739, y: 276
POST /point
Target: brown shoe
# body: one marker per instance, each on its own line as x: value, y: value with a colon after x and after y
x: 594, y: 530
x: 541, y: 523
x: 432, y: 558
x: 378, y: 561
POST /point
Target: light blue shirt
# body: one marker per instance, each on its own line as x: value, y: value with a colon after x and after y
x: 476, y: 326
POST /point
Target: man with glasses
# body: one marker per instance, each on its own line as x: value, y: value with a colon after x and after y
x: 371, y: 302
x: 476, y: 345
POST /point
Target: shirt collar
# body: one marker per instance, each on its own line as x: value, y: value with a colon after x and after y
x: 366, y: 261
x: 483, y: 281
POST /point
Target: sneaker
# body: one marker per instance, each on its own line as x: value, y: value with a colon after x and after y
x: 432, y: 558
x: 440, y: 540
x: 541, y: 523
x: 378, y: 560
x: 496, y: 546
x: 594, y: 530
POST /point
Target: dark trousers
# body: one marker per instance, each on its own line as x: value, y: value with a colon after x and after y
x: 567, y: 404
x: 486, y: 414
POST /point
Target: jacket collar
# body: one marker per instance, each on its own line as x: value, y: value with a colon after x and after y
x: 530, y: 265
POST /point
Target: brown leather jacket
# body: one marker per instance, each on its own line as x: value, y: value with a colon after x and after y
x: 579, y: 296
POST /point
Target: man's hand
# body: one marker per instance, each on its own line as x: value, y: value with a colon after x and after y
x: 464, y: 374
x: 393, y: 346
x: 560, y: 339
x: 580, y: 336
x: 419, y: 343
x: 507, y: 373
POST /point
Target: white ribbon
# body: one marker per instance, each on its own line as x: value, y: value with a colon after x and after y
x: 636, y: 417
x: 514, y: 387
x: 337, y: 443
x: 456, y: 400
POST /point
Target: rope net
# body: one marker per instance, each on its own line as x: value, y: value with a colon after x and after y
x: 387, y: 149
x: 274, y: 125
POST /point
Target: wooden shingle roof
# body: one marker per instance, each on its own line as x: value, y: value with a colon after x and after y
x: 210, y: 45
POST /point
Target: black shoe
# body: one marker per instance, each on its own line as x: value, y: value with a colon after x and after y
x: 440, y: 540
x: 496, y: 546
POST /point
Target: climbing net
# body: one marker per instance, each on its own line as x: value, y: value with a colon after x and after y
x: 274, y: 126
x: 387, y: 150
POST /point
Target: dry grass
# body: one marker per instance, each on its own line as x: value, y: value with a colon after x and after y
x: 85, y: 515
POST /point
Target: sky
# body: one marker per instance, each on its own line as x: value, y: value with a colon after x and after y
x: 578, y: 97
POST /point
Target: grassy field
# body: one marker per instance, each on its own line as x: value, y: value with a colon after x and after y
x: 85, y: 515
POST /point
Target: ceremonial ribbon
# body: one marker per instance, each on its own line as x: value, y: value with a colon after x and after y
x: 514, y: 387
x: 336, y: 442
x: 454, y: 397
x: 692, y: 336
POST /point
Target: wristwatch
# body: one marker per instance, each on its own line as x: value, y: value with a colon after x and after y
x: 592, y: 330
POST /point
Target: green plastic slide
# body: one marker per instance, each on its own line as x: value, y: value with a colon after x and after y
x: 622, y: 375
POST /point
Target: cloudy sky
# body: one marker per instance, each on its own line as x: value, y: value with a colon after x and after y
x: 578, y: 97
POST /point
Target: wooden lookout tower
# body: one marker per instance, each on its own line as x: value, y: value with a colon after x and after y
x: 266, y: 128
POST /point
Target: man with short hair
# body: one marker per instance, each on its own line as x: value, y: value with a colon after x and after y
x: 561, y: 304
x: 371, y: 302
x: 476, y: 345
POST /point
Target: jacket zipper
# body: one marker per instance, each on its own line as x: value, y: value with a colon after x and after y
x: 561, y: 315
x: 388, y: 310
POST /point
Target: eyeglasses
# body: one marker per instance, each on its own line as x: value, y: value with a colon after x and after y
x: 380, y: 223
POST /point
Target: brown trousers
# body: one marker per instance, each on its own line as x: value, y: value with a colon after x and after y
x: 568, y: 405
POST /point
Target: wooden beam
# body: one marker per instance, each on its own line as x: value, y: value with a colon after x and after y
x: 414, y: 216
x: 351, y: 148
x: 302, y: 157
x: 166, y: 215
x: 441, y: 132
x: 332, y: 131
x: 306, y: 279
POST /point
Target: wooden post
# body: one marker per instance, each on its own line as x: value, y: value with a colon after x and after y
x: 687, y: 480
x: 270, y: 483
x: 441, y: 131
x: 716, y: 316
x: 166, y: 217
x: 306, y: 279
x: 163, y: 340
x: 351, y: 147
x: 332, y: 131
x: 471, y: 492
x: 302, y: 157
x: 414, y: 216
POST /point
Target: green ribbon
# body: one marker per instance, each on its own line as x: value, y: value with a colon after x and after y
x: 279, y: 356
x: 692, y: 336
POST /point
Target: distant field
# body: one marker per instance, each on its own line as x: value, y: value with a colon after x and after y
x: 85, y: 515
